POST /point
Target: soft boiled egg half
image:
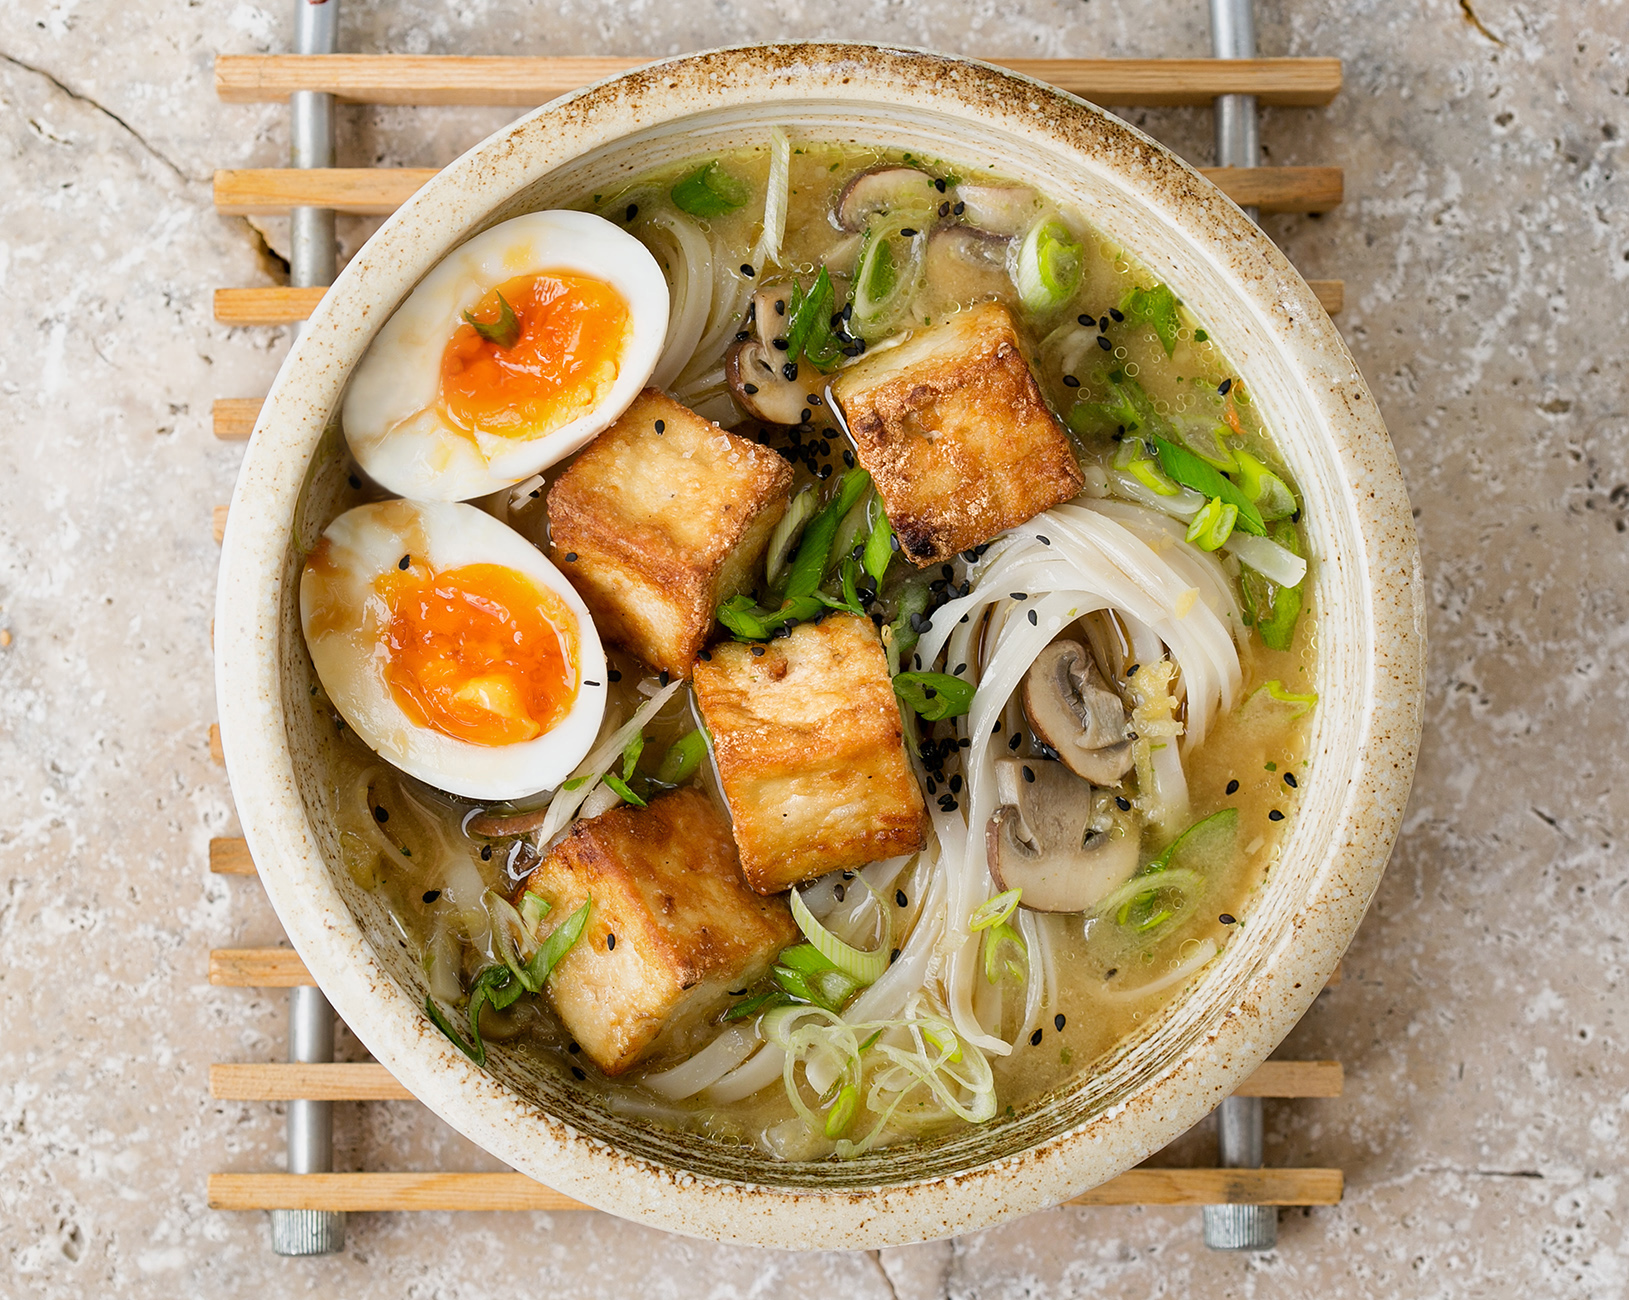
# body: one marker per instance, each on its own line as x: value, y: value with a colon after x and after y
x: 518, y: 348
x: 453, y: 648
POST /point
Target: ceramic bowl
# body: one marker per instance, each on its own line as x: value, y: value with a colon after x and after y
x: 1365, y: 568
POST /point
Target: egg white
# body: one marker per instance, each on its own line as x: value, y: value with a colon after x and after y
x: 391, y: 419
x: 351, y: 659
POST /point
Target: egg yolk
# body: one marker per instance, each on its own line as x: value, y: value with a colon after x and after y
x: 565, y: 359
x: 480, y: 653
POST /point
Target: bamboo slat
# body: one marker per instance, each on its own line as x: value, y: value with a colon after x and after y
x: 279, y: 305
x: 229, y: 856
x: 510, y: 1191
x: 373, y: 191
x: 370, y: 1081
x: 217, y: 523
x: 216, y: 753
x: 234, y: 417
x: 263, y: 968
x: 524, y: 82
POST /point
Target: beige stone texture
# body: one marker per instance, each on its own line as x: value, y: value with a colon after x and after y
x: 1485, y: 247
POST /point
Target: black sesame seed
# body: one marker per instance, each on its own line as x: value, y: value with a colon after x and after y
x: 947, y: 803
x: 780, y: 345
x: 1226, y: 918
x: 1103, y: 342
x: 1132, y: 671
x: 380, y: 815
x: 758, y: 650
x: 1233, y: 787
x: 944, y: 209
x: 1275, y: 816
x: 1111, y: 972
x: 430, y: 895
x: 661, y: 426
x: 908, y: 232
x: 631, y: 213
x: 1033, y: 621
x: 664, y: 677
x: 404, y: 562
x: 742, y: 336
x: 1043, y: 539
x: 848, y: 458
x: 355, y: 482
x: 1103, y: 324
x: 1016, y: 741
x: 707, y: 656
x: 825, y: 472
x: 749, y: 389
x: 899, y: 897
x: 1289, y: 780
x: 614, y: 674
x: 578, y: 1074
x: 571, y: 557
x: 586, y: 682
x: 746, y: 269
x: 1085, y: 320
x: 1058, y: 1022
x: 959, y: 670
x: 848, y: 875
x: 1069, y: 381
x: 574, y: 1048
x: 1115, y: 312
x: 1224, y: 387
x: 780, y: 306
x: 1019, y: 595
x: 939, y: 184
x: 1122, y: 803
x: 959, y: 209
x: 893, y: 956
x: 610, y: 942
x: 790, y: 370
x: 1029, y: 773
x: 956, y: 784
x: 1035, y: 1038
x: 486, y: 853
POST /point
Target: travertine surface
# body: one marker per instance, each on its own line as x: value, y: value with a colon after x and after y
x: 1485, y: 246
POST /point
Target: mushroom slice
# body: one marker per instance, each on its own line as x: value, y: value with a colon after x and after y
x: 757, y: 377
x: 1062, y: 844
x: 1076, y: 715
x: 999, y: 209
x: 900, y: 190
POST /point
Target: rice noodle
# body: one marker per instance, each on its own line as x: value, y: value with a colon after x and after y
x: 707, y: 1066
x: 688, y: 259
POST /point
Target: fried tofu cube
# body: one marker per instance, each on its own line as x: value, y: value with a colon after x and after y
x: 673, y: 927
x: 956, y: 435
x: 811, y: 752
x: 661, y: 518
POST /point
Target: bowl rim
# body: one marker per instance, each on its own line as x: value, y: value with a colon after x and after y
x: 296, y: 877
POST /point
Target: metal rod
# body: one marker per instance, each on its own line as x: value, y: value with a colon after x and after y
x: 1238, y: 1135
x: 1233, y: 36
x: 313, y: 255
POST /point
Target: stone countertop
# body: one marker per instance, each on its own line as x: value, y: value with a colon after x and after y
x: 1485, y: 248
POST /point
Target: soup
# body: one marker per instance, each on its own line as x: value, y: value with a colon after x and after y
x: 952, y: 703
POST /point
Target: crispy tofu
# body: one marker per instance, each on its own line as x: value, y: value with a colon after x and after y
x: 662, y: 517
x: 956, y: 435
x: 811, y: 752
x: 672, y: 930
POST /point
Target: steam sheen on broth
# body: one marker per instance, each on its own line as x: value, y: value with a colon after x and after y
x: 915, y: 994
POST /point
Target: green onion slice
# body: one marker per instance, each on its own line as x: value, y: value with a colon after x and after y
x: 683, y: 758
x: 841, y: 1114
x: 1212, y: 524
x: 866, y: 967
x: 622, y: 788
x: 710, y: 192
x: 1048, y: 268
x: 439, y: 1018
x: 996, y: 940
x: 1193, y: 472
x: 630, y: 754
x: 994, y: 912
x: 935, y: 696
x: 504, y: 332
x: 1271, y: 494
x: 1156, y: 307
x: 1276, y: 690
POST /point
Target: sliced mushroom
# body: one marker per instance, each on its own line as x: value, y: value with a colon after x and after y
x: 756, y: 369
x: 999, y: 209
x: 1074, y: 713
x: 1064, y: 845
x: 978, y: 248
x: 885, y: 189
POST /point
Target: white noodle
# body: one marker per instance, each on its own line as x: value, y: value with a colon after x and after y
x: 707, y: 1066
x: 689, y: 259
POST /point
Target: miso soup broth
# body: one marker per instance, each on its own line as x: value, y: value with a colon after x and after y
x: 1103, y: 704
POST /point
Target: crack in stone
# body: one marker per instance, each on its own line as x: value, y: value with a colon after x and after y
x: 271, y: 261
x: 876, y: 1258
x: 1470, y: 16
x: 1482, y: 1173
x: 106, y: 112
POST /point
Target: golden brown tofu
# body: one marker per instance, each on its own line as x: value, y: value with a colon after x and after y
x: 956, y: 434
x: 662, y: 517
x: 811, y: 752
x: 672, y: 929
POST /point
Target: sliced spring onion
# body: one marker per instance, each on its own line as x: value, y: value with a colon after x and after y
x: 1156, y: 307
x: 994, y: 912
x: 1138, y: 904
x: 812, y: 562
x: 887, y: 273
x: 623, y: 789
x: 934, y: 695
x: 1048, y: 266
x: 683, y: 758
x: 809, y: 334
x: 1276, y: 690
x: 1192, y: 471
x: 1206, y: 846
x: 750, y: 622
x: 1269, y: 558
x: 768, y: 248
x: 997, y: 939
x: 439, y: 1018
x: 902, y: 633
x: 841, y: 1114
x: 710, y: 191
x: 788, y: 530
x: 503, y: 332
x: 866, y: 967
x: 879, y: 546
x: 758, y: 1002
x: 533, y: 908
x: 1213, y: 525
x: 558, y: 943
x: 1270, y: 493
x: 630, y: 754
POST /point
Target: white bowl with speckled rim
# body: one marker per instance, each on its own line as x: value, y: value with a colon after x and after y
x: 1365, y: 567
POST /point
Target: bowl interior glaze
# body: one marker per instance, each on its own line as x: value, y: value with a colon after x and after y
x: 1365, y: 569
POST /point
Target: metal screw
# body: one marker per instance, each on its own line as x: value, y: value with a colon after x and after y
x: 1240, y: 1227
